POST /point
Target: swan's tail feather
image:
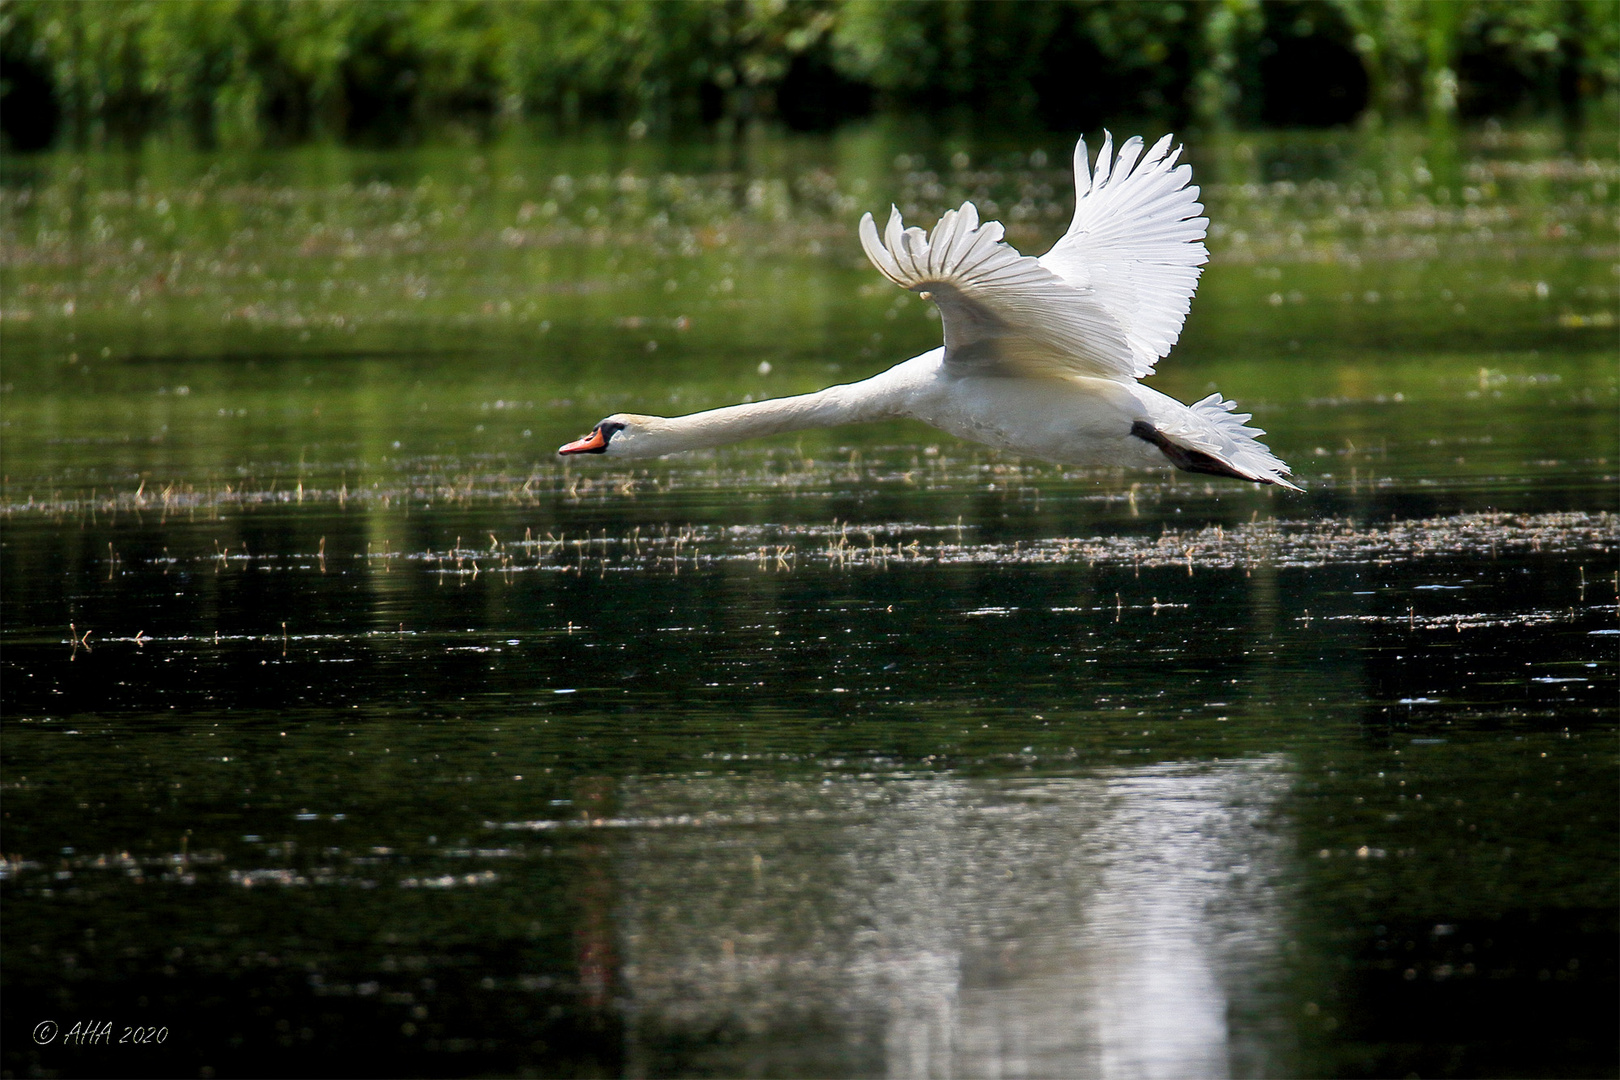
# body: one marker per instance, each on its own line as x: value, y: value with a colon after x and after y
x: 1240, y: 444
x: 1211, y: 436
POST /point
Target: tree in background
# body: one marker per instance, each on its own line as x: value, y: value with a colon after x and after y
x: 241, y: 72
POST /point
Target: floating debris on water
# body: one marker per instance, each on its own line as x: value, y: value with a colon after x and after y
x: 781, y: 548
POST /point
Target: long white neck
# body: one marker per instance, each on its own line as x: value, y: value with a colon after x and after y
x: 877, y: 398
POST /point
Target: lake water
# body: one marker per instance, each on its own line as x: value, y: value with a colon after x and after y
x: 349, y: 732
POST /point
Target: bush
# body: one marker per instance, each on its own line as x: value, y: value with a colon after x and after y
x: 241, y: 72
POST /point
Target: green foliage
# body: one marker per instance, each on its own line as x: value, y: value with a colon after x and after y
x: 1413, y: 49
x: 1009, y: 59
x: 241, y: 72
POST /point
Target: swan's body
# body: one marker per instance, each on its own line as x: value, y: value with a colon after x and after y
x: 1042, y: 357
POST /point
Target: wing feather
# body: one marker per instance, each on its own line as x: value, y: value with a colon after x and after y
x: 1136, y: 240
x: 1004, y: 313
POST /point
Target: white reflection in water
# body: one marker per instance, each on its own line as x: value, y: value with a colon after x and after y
x: 1128, y: 924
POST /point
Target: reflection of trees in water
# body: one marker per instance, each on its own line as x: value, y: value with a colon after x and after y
x: 1123, y: 924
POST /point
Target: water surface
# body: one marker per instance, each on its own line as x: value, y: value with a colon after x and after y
x: 348, y: 731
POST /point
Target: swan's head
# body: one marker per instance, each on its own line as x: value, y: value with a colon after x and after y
x: 621, y: 435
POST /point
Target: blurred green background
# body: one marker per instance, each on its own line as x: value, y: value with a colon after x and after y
x: 238, y: 73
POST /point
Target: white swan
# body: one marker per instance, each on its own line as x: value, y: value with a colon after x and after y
x: 1041, y: 356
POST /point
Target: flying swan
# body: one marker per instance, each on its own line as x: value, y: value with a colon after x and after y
x: 1042, y: 357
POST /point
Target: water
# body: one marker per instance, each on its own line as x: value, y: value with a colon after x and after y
x: 348, y: 731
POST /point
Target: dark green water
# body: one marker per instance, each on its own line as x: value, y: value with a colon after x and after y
x: 397, y: 748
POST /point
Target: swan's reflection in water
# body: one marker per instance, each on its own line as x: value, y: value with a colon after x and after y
x: 1128, y: 924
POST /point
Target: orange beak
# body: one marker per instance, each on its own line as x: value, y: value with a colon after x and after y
x: 594, y: 443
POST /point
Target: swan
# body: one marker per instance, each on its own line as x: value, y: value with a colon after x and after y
x: 1042, y: 357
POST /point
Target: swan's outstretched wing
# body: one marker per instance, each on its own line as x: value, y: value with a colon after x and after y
x: 1004, y: 313
x: 1136, y: 241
